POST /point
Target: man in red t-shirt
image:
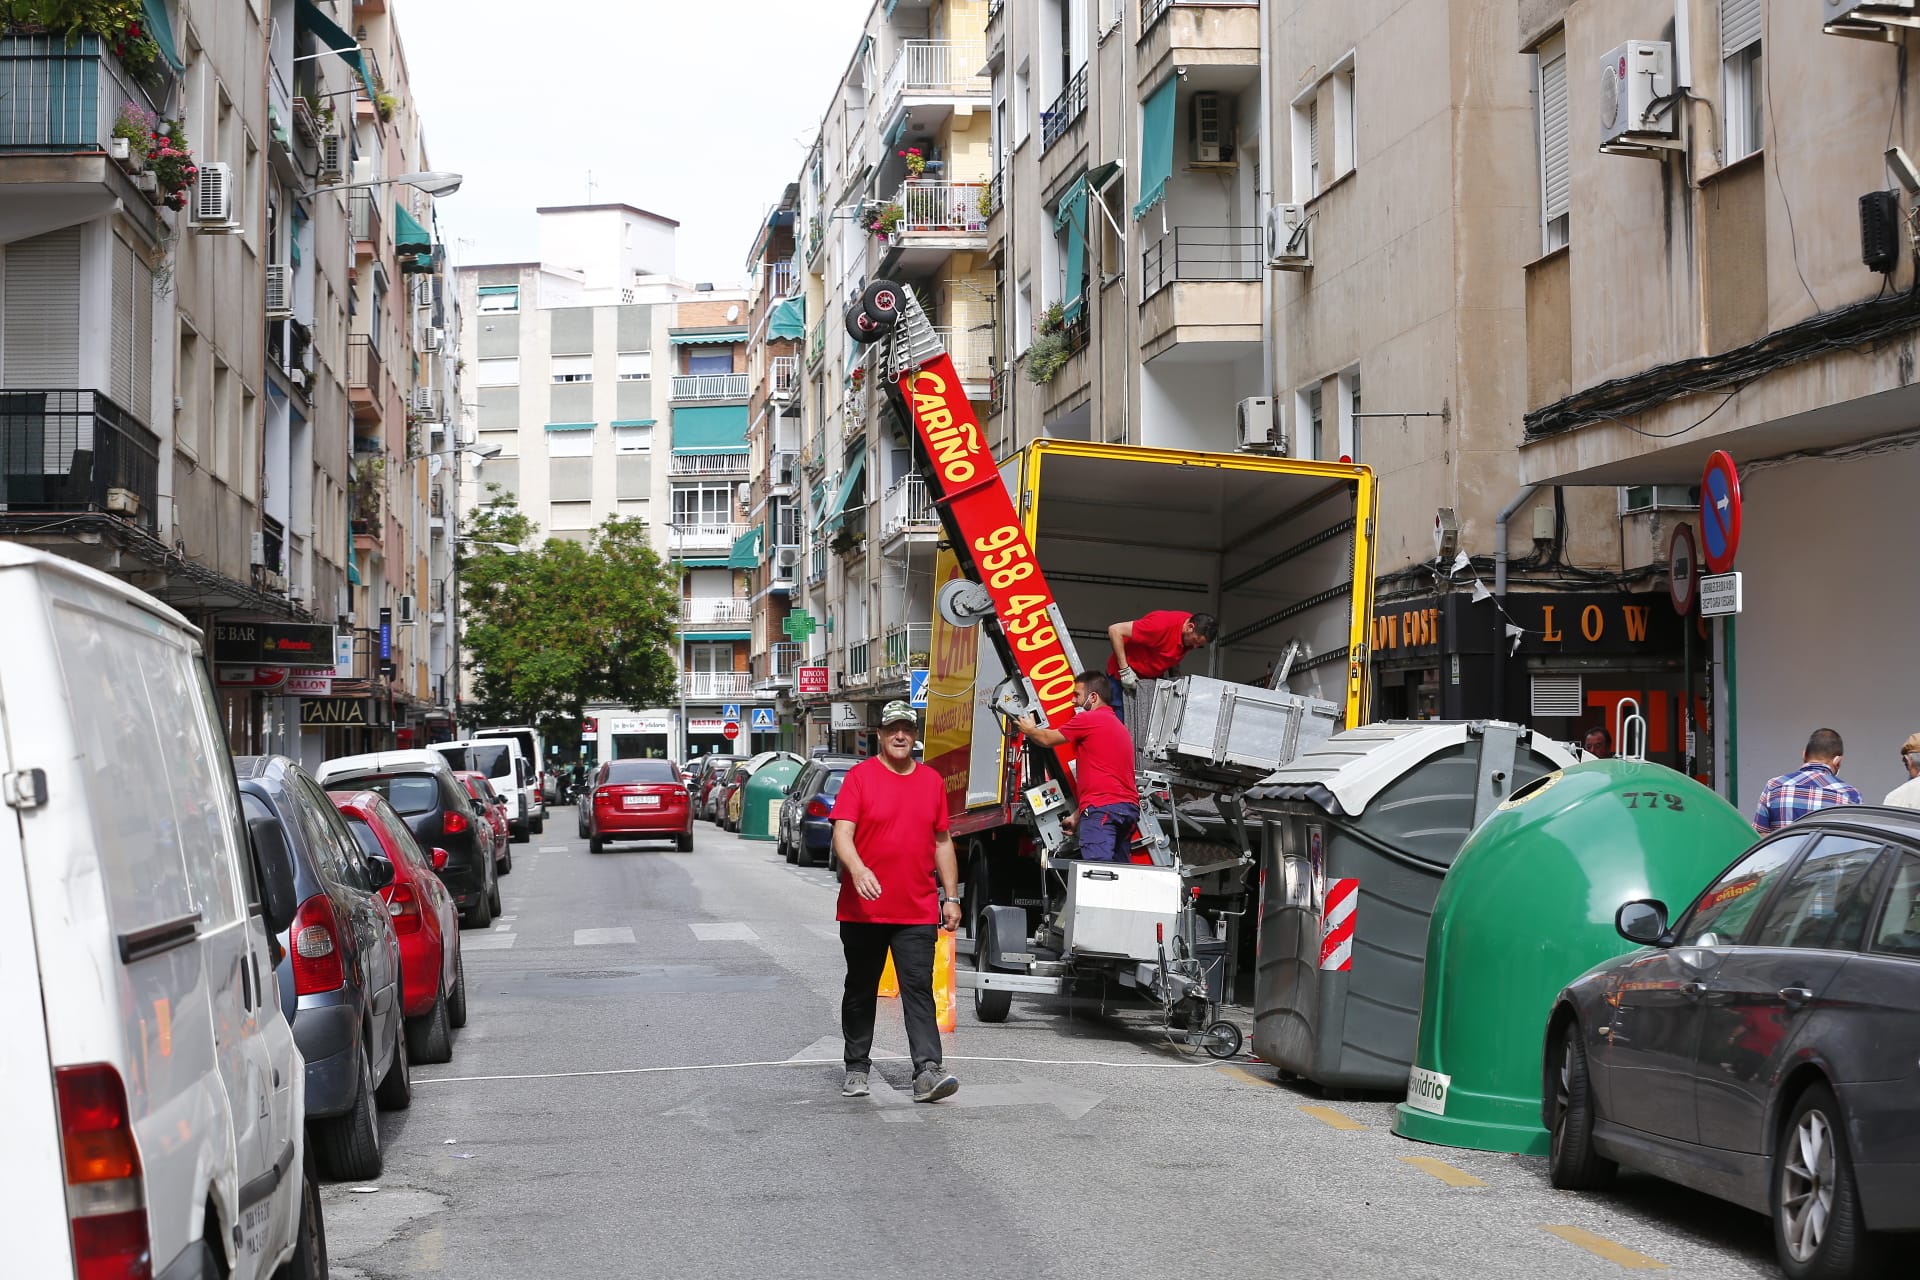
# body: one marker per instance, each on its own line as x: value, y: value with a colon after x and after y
x: 1109, y: 792
x: 1152, y: 645
x: 890, y: 836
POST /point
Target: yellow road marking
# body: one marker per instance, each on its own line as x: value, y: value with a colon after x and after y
x: 1601, y: 1247
x: 1241, y: 1073
x: 1440, y: 1169
x: 1334, y: 1119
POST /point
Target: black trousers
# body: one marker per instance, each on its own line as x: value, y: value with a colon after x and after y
x: 866, y: 946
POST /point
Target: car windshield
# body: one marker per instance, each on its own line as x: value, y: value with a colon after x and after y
x: 369, y: 842
x: 832, y: 784
x: 409, y: 793
x: 623, y: 771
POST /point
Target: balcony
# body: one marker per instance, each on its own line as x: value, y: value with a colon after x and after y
x: 1218, y: 35
x: 710, y: 464
x: 1200, y: 285
x: 814, y: 459
x: 782, y: 279
x: 932, y: 74
x: 972, y: 352
x: 905, y: 646
x: 936, y: 219
x: 817, y: 343
x: 61, y: 100
x: 1065, y: 111
x: 859, y: 663
x: 907, y: 509
x: 710, y: 386
x: 817, y: 563
x: 714, y: 539
x: 774, y: 668
x: 76, y: 451
x: 785, y: 376
x: 711, y: 685
x: 721, y: 612
x: 363, y: 216
x: 366, y: 379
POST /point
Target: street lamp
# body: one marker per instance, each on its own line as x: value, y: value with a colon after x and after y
x: 435, y: 182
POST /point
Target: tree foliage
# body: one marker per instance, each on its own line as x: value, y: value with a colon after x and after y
x: 559, y: 624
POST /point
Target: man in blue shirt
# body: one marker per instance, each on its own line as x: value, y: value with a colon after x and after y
x: 1814, y: 785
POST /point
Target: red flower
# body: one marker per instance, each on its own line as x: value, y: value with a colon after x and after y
x: 133, y: 29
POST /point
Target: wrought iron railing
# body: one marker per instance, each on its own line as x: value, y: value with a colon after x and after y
x: 717, y: 684
x: 781, y: 278
x: 859, y: 667
x: 996, y: 192
x: 703, y: 538
x: 817, y: 562
x: 363, y: 216
x: 786, y: 376
x: 1200, y: 253
x: 1067, y: 108
x: 817, y: 342
x: 76, y: 450
x: 782, y: 657
x: 364, y: 368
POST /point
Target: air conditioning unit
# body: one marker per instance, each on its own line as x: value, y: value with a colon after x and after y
x: 1658, y: 497
x: 423, y: 292
x: 426, y: 400
x: 1289, y: 242
x: 787, y: 557
x: 1255, y: 428
x: 403, y: 616
x: 430, y: 338
x: 257, y: 548
x: 297, y: 376
x: 1870, y: 19
x: 363, y: 169
x: 1636, y: 98
x: 274, y: 581
x: 123, y: 502
x: 213, y: 200
x: 333, y: 157
x: 298, y: 593
x: 279, y: 291
x: 1210, y: 129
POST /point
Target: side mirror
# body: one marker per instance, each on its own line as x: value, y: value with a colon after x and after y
x: 1643, y: 921
x: 439, y: 859
x: 273, y: 863
x: 379, y: 872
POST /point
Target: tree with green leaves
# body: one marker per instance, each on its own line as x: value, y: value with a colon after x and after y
x: 555, y: 625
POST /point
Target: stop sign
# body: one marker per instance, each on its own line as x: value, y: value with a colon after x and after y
x: 731, y: 729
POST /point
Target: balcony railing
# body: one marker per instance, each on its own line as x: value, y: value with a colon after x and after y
x: 777, y: 664
x: 859, y: 666
x: 717, y: 684
x: 710, y: 386
x: 76, y: 450
x: 941, y: 208
x: 56, y: 96
x: 363, y: 216
x: 1067, y: 108
x: 703, y: 539
x: 936, y: 69
x: 1200, y: 253
x: 786, y: 376
x: 907, y: 505
x: 996, y: 192
x: 782, y: 278
x: 709, y: 464
x: 365, y: 371
x: 1150, y: 13
x: 972, y: 352
x: 721, y: 611
x: 817, y: 562
x: 907, y: 644
x: 817, y: 342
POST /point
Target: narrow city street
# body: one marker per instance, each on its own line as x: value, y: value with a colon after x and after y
x: 649, y: 1086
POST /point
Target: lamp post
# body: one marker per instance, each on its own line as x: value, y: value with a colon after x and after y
x: 435, y: 182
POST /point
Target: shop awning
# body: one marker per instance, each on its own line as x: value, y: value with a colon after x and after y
x: 1072, y: 215
x: 160, y: 30
x: 789, y: 319
x: 309, y: 16
x: 746, y: 550
x: 408, y: 235
x: 707, y: 336
x: 1156, y: 146
x: 838, y: 510
x: 716, y: 428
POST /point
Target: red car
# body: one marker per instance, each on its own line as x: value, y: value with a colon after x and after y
x: 494, y: 805
x: 433, y: 981
x: 639, y: 800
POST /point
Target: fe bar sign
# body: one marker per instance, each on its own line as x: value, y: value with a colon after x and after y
x: 1720, y: 595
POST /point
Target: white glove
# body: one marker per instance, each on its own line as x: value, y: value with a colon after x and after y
x: 1129, y: 681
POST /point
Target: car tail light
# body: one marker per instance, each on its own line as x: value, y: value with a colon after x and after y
x: 818, y: 808
x: 105, y: 1199
x: 403, y: 904
x: 316, y: 947
x: 456, y: 822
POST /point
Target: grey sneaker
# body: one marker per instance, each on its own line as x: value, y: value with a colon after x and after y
x: 934, y: 1084
x: 856, y: 1085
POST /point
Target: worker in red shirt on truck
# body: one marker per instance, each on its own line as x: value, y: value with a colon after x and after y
x: 1108, y: 791
x: 1152, y: 645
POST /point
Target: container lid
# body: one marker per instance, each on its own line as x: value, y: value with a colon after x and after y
x: 1345, y: 772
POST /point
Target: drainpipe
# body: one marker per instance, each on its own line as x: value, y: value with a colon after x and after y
x: 1263, y: 201
x: 1500, y: 538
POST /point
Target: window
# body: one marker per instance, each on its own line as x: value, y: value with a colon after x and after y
x: 1899, y: 929
x: 636, y: 366
x: 1323, y: 139
x: 495, y: 299
x: 1551, y: 94
x: 1309, y: 129
x: 1741, y: 74
x: 1720, y: 915
x: 570, y: 444
x: 1825, y: 904
x: 499, y: 373
x: 632, y: 438
x: 1350, y: 414
x: 1308, y: 418
x: 572, y: 368
x: 1022, y: 106
x: 1023, y: 315
x: 570, y: 515
x: 720, y: 361
x: 703, y: 504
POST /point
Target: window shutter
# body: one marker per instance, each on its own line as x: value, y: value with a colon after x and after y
x: 40, y: 326
x: 1313, y: 135
x: 120, y: 327
x: 1557, y: 696
x: 1740, y: 25
x: 1553, y: 135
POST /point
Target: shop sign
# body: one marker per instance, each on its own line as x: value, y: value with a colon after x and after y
x: 846, y: 716
x: 284, y: 644
x: 706, y: 724
x: 1720, y: 595
x: 309, y: 686
x: 249, y: 677
x: 343, y: 656
x: 332, y: 711
x: 1411, y: 629
x: 810, y: 680
x: 636, y: 724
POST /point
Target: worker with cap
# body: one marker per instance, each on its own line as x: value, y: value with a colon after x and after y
x: 1108, y: 790
x: 899, y: 885
x: 1152, y: 645
x: 1907, y: 794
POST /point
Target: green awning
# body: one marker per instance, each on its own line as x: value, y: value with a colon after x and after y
x: 569, y: 426
x: 722, y: 635
x: 746, y: 550
x: 701, y: 562
x: 1072, y: 215
x: 353, y: 568
x: 495, y: 290
x: 837, y: 511
x: 408, y: 235
x: 1156, y: 146
x: 710, y: 428
x: 308, y: 15
x: 709, y: 336
x: 789, y: 319
x: 633, y: 422
x: 160, y: 30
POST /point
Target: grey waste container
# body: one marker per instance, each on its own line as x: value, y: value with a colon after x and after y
x: 1359, y: 831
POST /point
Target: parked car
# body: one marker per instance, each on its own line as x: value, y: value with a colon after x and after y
x: 436, y: 808
x: 713, y: 773
x: 806, y: 816
x: 533, y: 749
x: 339, y: 976
x: 492, y: 804
x: 509, y: 772
x: 639, y: 800
x: 137, y: 915
x: 433, y: 980
x: 1762, y: 1049
x: 731, y: 779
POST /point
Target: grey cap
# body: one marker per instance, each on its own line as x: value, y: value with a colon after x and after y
x: 898, y: 712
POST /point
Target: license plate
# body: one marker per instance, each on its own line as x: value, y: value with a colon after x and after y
x: 640, y: 802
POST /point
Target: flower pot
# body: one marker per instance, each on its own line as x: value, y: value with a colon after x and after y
x: 147, y: 182
x: 121, y: 149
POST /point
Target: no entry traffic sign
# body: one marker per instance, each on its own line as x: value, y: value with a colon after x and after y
x: 1683, y: 570
x: 1720, y: 511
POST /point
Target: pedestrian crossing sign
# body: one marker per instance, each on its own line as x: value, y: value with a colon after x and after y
x: 763, y: 718
x: 917, y: 687
x: 730, y: 712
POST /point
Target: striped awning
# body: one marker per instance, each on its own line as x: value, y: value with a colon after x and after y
x: 707, y: 336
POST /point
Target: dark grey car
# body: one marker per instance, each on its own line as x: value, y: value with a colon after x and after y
x: 1766, y: 1048
x: 340, y: 973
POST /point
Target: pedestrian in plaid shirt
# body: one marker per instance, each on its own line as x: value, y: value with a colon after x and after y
x: 1814, y: 785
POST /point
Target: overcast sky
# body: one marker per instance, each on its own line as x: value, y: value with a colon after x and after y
x: 700, y: 111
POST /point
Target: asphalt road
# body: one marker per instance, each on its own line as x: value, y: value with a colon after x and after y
x: 649, y: 1086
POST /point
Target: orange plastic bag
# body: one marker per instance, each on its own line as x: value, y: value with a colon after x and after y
x: 945, y: 1007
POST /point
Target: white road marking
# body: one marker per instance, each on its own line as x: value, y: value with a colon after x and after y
x: 807, y: 1062
x: 601, y: 937
x: 730, y: 932
x: 505, y: 920
x: 487, y: 941
x: 553, y: 848
x: 894, y: 1106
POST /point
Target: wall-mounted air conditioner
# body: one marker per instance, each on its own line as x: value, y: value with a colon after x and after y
x: 787, y: 557
x: 1658, y: 497
x: 1870, y: 19
x: 404, y: 615
x: 257, y: 548
x: 279, y: 291
x: 1255, y: 428
x: 1636, y: 98
x: 213, y: 199
x: 430, y: 338
x: 333, y: 157
x: 426, y: 400
x: 1210, y: 129
x: 1289, y: 239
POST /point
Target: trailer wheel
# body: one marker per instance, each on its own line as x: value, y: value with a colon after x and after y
x: 861, y: 326
x: 988, y: 1006
x: 1223, y: 1039
x: 881, y: 300
x: 975, y: 893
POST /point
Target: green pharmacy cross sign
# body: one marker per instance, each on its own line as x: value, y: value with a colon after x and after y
x: 799, y: 624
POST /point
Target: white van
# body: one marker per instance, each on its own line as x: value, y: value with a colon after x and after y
x: 150, y: 1091
x: 509, y: 772
x: 533, y: 747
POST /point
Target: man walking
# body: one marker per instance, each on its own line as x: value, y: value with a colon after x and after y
x: 1109, y: 791
x: 1814, y: 785
x: 1152, y: 645
x: 1907, y: 794
x: 890, y: 836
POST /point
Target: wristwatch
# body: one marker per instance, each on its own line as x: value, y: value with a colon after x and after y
x: 944, y: 900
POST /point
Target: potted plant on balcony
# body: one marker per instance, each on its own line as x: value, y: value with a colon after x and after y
x: 916, y: 161
x: 386, y: 104
x: 132, y: 137
x: 1051, y: 346
x: 886, y: 219
x: 170, y: 161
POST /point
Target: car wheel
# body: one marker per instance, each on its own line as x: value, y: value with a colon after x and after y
x: 493, y: 899
x: 788, y: 851
x: 309, y: 1260
x: 504, y: 866
x: 480, y: 915
x: 348, y: 1146
x: 596, y: 845
x: 457, y: 999
x: 1572, y: 1162
x: 1817, y: 1228
x: 539, y: 826
x: 396, y: 1090
x: 686, y: 842
x: 430, y: 1037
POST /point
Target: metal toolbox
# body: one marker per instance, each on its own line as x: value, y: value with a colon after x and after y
x: 1232, y: 732
x: 1113, y: 908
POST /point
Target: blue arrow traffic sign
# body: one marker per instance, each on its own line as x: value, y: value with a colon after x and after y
x: 917, y: 687
x: 763, y: 718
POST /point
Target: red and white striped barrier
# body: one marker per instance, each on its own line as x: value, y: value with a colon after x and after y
x: 1336, y: 935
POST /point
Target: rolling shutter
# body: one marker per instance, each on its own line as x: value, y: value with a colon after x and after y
x: 40, y: 326
x: 1740, y: 25
x: 1553, y: 133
